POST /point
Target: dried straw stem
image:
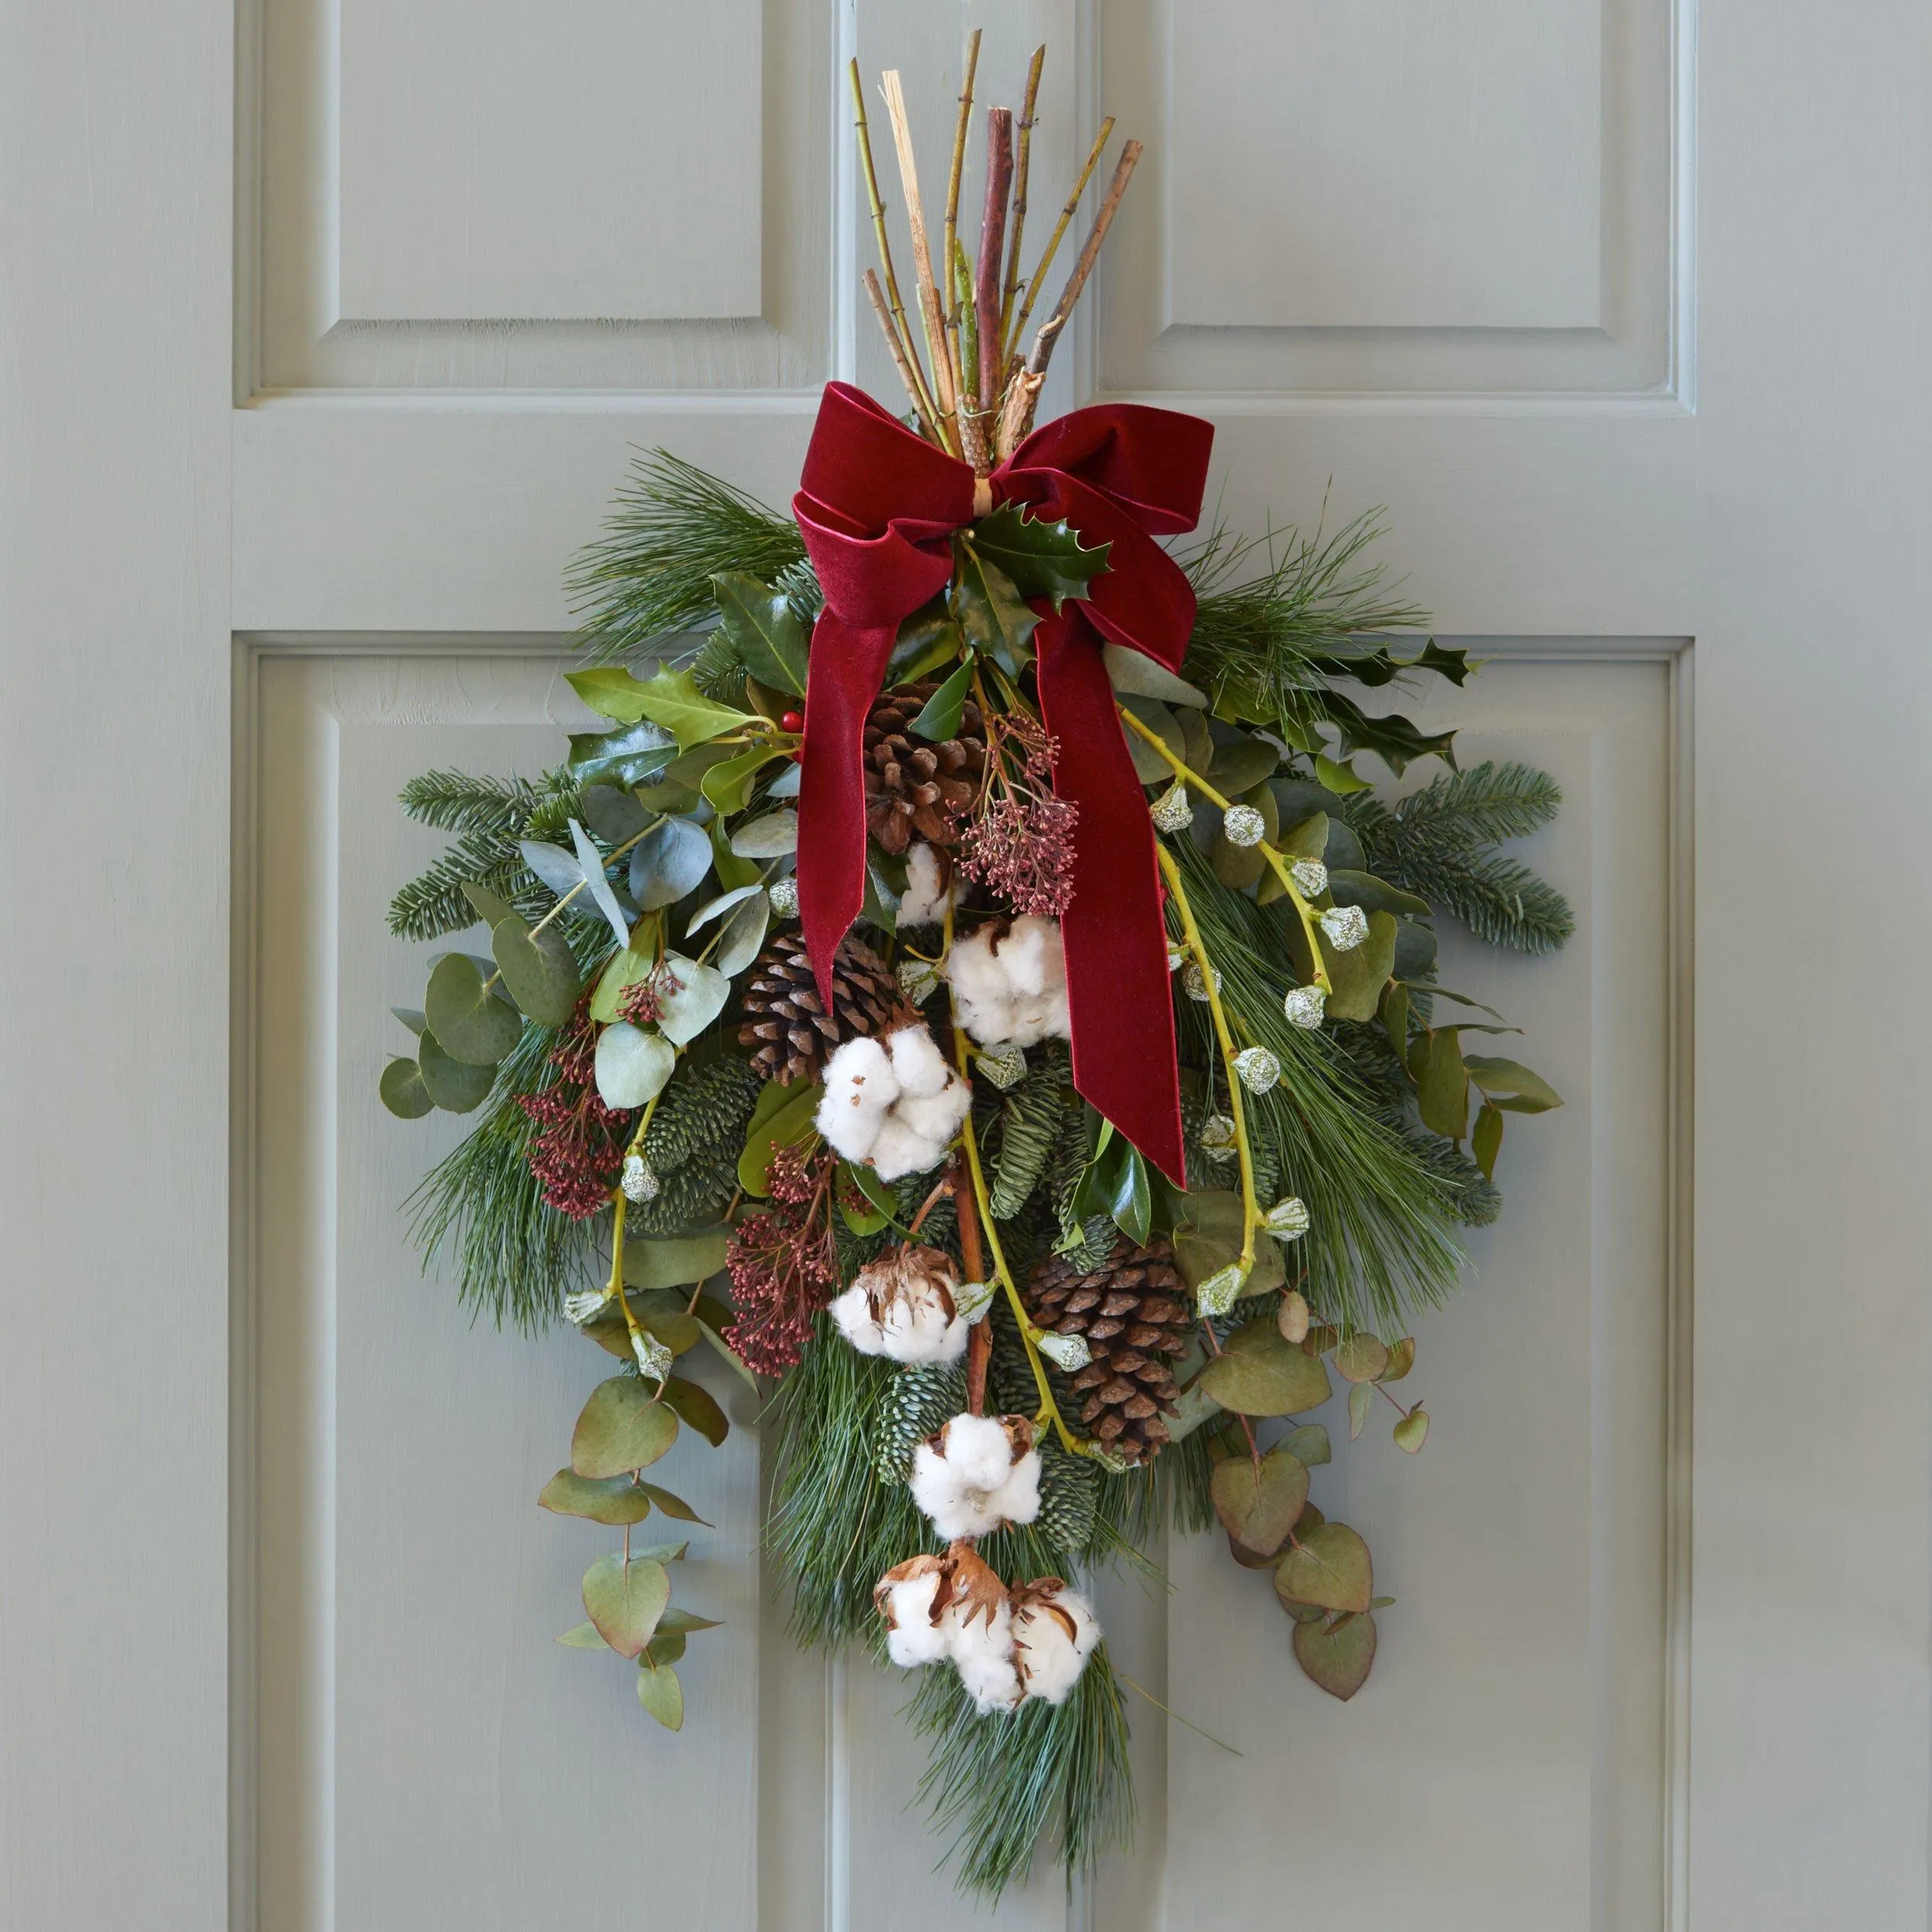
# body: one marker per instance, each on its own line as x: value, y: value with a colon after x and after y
x: 1053, y: 240
x: 898, y: 331
x: 946, y: 393
x: 1019, y: 199
x: 1049, y: 330
x: 907, y: 374
x: 952, y: 196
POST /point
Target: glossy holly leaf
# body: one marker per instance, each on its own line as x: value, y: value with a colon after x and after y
x: 939, y: 717
x: 669, y: 699
x: 625, y: 1600
x: 1395, y: 740
x: 1341, y: 778
x: 662, y: 1695
x: 1257, y: 1373
x: 992, y: 614
x: 631, y: 755
x: 696, y: 1000
x: 632, y: 1065
x: 486, y: 904
x: 1131, y: 1202
x: 615, y: 1500
x: 1131, y: 674
x: 1329, y: 1567
x: 402, y: 1091
x: 1041, y: 559
x: 669, y: 862
x: 1259, y: 1505
x: 770, y: 638
x: 454, y: 1086
x: 1339, y: 1656
x: 470, y: 1023
x: 610, y: 691
x: 621, y: 1429
x: 538, y: 970
x: 1510, y: 1085
x: 696, y: 1407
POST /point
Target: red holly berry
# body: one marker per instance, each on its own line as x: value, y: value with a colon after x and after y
x: 793, y: 721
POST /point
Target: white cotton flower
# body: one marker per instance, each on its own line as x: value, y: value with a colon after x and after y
x: 926, y: 897
x: 913, y: 1636
x: 977, y: 1474
x: 1304, y: 1005
x: 784, y: 895
x: 860, y: 1086
x: 919, y: 1067
x: 1347, y: 927
x: 895, y: 1103
x: 982, y: 1653
x: 906, y: 1305
x: 1054, y: 1631
x: 1310, y: 875
x: 1010, y: 982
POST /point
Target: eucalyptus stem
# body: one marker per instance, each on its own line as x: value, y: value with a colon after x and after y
x: 1276, y: 863
x: 1250, y: 1208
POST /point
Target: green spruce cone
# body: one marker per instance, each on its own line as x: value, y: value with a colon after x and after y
x: 1029, y: 1121
x: 1069, y: 1487
x: 918, y: 1401
x: 702, y: 1116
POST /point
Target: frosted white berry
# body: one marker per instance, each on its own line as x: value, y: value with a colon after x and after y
x: 1243, y: 825
x: 1219, y: 1292
x: 1218, y: 1138
x: 1311, y: 876
x: 1176, y: 956
x: 1173, y: 811
x: 1304, y: 1005
x: 784, y: 895
x: 1067, y: 1352
x: 653, y: 1358
x: 918, y: 979
x: 1288, y: 1219
x: 1347, y: 927
x: 640, y: 1184
x: 581, y: 1306
x: 1004, y: 1065
x: 1193, y: 982
x: 1258, y: 1069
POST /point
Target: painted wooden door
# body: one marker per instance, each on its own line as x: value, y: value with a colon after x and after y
x: 327, y: 330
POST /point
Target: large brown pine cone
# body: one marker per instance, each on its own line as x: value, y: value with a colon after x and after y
x: 915, y: 789
x: 1133, y: 1314
x: 786, y: 1025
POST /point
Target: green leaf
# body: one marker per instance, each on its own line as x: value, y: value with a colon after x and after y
x: 714, y: 1335
x: 486, y: 904
x: 714, y: 908
x: 1257, y: 1373
x: 1336, y: 1656
x: 926, y: 639
x: 1442, y: 1086
x: 1349, y: 887
x: 1131, y: 1202
x: 1357, y: 977
x: 676, y: 1506
x: 584, y: 1637
x: 782, y: 1117
x: 744, y: 933
x: 1413, y: 1430
x: 1402, y: 1359
x: 625, y: 1600
x: 1394, y: 740
x: 1241, y: 767
x: 871, y: 1217
x: 1041, y: 559
x: 770, y: 639
x: 632, y: 1065
x: 668, y: 862
x: 470, y: 1023
x: 680, y: 1623
x: 773, y: 835
x: 615, y: 1500
x: 662, y: 1695
x: 990, y: 612
x: 676, y: 1261
x: 1149, y: 767
x: 402, y: 1091
x: 1509, y: 1083
x: 701, y: 993
x: 1309, y: 1442
x: 658, y: 1553
x: 939, y: 717
x: 1486, y: 1142
x: 1309, y: 839
x: 411, y: 1018
x: 1360, y: 1396
x: 670, y: 699
x: 621, y: 1429
x: 1340, y: 779
x: 667, y: 1646
x: 697, y: 1407
x: 612, y: 813
x: 728, y: 785
x: 1329, y: 1567
x: 1362, y: 1357
x: 609, y: 691
x: 538, y: 968
x: 1130, y: 673
x: 631, y: 755
x: 455, y: 1087
x: 637, y: 962
x: 590, y: 863
x: 1258, y: 1506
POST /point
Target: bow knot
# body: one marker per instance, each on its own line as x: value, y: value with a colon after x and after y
x: 877, y: 507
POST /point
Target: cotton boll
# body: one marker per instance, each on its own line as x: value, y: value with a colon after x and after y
x: 905, y: 1596
x: 925, y: 900
x: 1023, y: 955
x: 1054, y: 1631
x: 852, y: 1311
x: 1017, y: 1499
x: 916, y: 1333
x: 953, y: 1508
x: 918, y: 1065
x: 898, y: 1150
x: 957, y: 1476
x: 979, y: 1448
x: 982, y: 1653
x: 860, y: 1086
x: 937, y: 1117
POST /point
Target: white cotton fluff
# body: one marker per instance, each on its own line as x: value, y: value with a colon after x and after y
x: 915, y: 1332
x: 925, y: 900
x: 896, y: 1103
x: 982, y: 1653
x: 1011, y: 987
x: 968, y: 1481
x: 1050, y: 1661
x: 912, y: 1638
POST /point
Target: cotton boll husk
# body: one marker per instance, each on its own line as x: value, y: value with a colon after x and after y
x: 982, y: 1653
x: 898, y: 1150
x: 1017, y: 1499
x: 925, y: 900
x: 912, y: 1638
x: 1050, y: 1660
x: 978, y: 1447
x: 918, y: 1065
x: 852, y: 1311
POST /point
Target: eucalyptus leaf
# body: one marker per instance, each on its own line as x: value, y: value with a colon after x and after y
x: 584, y: 1637
x: 674, y: 1505
x: 590, y: 863
x: 695, y: 1405
x: 744, y: 934
x: 402, y: 1091
x: 1309, y: 1442
x: 674, y: 1261
x: 1349, y: 887
x: 1442, y: 1083
x: 669, y: 862
x: 787, y: 783
x: 1257, y: 1373
x: 637, y: 962
x: 1259, y: 1504
x: 614, y: 1500
x: 1360, y: 1397
x: 621, y: 1428
x: 722, y: 903
x: 625, y: 1600
x: 1362, y: 1357
x: 695, y: 1002
x: 1149, y: 767
x: 1241, y: 766
x: 1357, y: 978
x: 412, y: 1018
x: 1307, y: 838
x: 486, y: 904
x: 682, y: 1623
x: 1131, y: 673
x: 454, y: 1086
x: 1413, y: 1430
x: 1508, y: 1082
x: 1485, y: 1141
x: 774, y: 836
x: 558, y: 870
x: 1338, y: 1656
x: 1329, y: 1567
x: 538, y: 970
x: 662, y: 1695
x: 612, y: 813
x: 632, y: 1065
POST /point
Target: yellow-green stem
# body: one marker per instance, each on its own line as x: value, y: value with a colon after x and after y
x: 1277, y: 862
x: 1250, y: 1208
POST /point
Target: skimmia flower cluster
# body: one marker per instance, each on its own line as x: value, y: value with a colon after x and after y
x: 1020, y: 844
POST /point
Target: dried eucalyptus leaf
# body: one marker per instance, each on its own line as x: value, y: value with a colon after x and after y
x: 1258, y: 1505
x: 1328, y: 1567
x: 615, y: 1500
x: 621, y: 1428
x: 1257, y: 1373
x: 1336, y: 1656
x: 625, y: 1600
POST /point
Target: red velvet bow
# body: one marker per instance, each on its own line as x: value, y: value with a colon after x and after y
x: 877, y: 505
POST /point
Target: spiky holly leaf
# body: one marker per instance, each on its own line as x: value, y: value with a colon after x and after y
x: 995, y: 618
x: 1043, y: 559
x: 767, y: 634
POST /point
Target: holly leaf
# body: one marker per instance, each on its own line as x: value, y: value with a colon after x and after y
x: 939, y: 717
x: 621, y: 1428
x: 1339, y: 1656
x: 926, y: 639
x: 991, y: 611
x: 625, y: 1600
x: 670, y: 699
x: 1329, y: 1567
x: 1039, y: 558
x: 769, y: 639
x: 1131, y: 1202
x: 1395, y: 739
x: 631, y: 755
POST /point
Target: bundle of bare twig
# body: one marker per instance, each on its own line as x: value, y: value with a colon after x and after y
x: 974, y: 392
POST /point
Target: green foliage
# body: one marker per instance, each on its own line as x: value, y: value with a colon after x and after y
x: 490, y: 815
x: 1022, y: 1149
x: 674, y: 527
x: 692, y: 1146
x: 1438, y: 842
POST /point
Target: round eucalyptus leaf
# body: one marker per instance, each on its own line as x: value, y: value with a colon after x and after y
x: 1328, y: 1567
x: 1362, y: 1357
x: 625, y: 1600
x: 470, y: 1023
x: 775, y: 835
x: 1259, y: 1505
x: 537, y: 969
x: 700, y: 997
x: 621, y: 1428
x: 667, y: 1646
x: 1336, y: 1656
x: 488, y: 906
x: 612, y: 813
x: 402, y: 1091
x: 662, y: 1695
x: 454, y: 1086
x: 1413, y: 1430
x: 632, y: 1065
x: 671, y: 860
x: 615, y: 1500
x: 1257, y: 1373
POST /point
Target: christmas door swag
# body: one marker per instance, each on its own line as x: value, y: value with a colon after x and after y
x: 980, y: 949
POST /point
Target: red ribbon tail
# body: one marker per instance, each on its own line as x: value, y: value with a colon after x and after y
x: 1119, y: 995
x: 848, y: 665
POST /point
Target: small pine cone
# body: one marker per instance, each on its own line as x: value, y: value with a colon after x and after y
x: 786, y: 1027
x: 915, y: 789
x: 1133, y: 1313
x: 916, y: 1404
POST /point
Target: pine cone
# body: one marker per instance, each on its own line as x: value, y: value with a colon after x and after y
x: 786, y: 1025
x: 914, y: 788
x: 1132, y: 1312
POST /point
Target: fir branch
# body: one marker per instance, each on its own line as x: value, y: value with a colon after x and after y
x: 674, y: 527
x: 491, y: 815
x: 461, y: 802
x: 1485, y: 805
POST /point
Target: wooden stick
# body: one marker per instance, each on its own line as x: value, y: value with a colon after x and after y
x: 1050, y: 329
x: 979, y: 1338
x: 904, y: 353
x: 992, y: 244
x: 944, y: 393
x: 898, y: 349
x: 1020, y: 195
x: 962, y: 376
x: 1053, y: 240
